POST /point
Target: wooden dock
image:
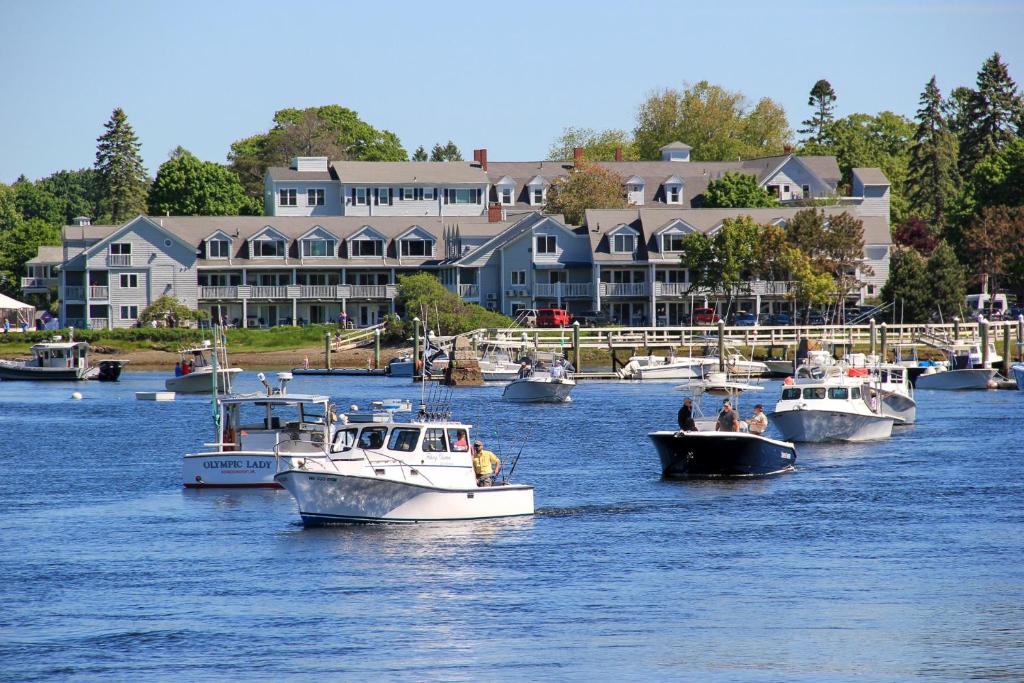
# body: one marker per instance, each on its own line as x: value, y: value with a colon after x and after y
x: 341, y: 372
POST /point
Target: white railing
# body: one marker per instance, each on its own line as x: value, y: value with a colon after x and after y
x: 119, y: 260
x: 279, y: 292
x: 564, y: 290
x: 624, y: 289
x: 97, y: 323
x: 469, y: 291
x: 38, y: 282
x: 99, y: 292
x: 222, y: 292
x: 372, y: 291
x: 74, y: 292
x: 671, y: 288
x: 318, y: 291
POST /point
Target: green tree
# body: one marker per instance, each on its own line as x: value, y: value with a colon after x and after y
x: 19, y: 242
x: 932, y: 178
x: 188, y: 186
x: 597, y: 145
x: 422, y: 295
x: 446, y: 152
x: 587, y: 186
x: 33, y: 201
x: 822, y: 100
x: 77, y: 193
x: 907, y: 287
x: 420, y: 154
x: 715, y: 122
x: 122, y: 177
x: 725, y: 261
x: 999, y: 178
x: 166, y: 308
x: 947, y: 285
x: 994, y: 113
x: 9, y: 214
x: 834, y: 246
x: 810, y: 286
x: 737, y: 190
x: 995, y: 244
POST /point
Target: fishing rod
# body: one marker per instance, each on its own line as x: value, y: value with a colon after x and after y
x: 508, y: 477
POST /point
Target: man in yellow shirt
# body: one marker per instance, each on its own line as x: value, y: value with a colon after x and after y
x: 485, y: 464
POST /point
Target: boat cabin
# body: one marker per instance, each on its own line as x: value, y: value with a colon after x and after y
x: 60, y: 355
x: 377, y: 432
x: 296, y: 423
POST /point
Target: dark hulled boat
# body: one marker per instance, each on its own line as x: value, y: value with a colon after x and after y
x: 711, y: 454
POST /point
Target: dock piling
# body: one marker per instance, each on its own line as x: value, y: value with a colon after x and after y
x: 415, y: 346
x: 872, y: 337
x: 884, y: 334
x: 376, y: 349
x: 1006, y: 349
x: 327, y: 349
x: 576, y: 346
x: 721, y: 346
x: 983, y: 329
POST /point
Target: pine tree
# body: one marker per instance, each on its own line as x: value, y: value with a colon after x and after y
x: 122, y: 177
x: 947, y: 285
x: 932, y: 178
x: 822, y: 98
x: 420, y: 154
x: 448, y: 152
x: 995, y: 111
x: 907, y: 287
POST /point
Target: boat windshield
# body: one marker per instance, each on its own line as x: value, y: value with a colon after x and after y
x: 841, y: 393
x: 814, y: 392
x: 790, y: 394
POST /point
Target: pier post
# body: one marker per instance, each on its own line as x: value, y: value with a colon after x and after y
x: 956, y: 329
x: 871, y: 334
x: 884, y: 334
x: 1006, y: 349
x: 983, y: 329
x: 576, y: 345
x: 327, y: 349
x: 415, y: 347
x: 376, y: 349
x: 1020, y: 337
x: 721, y: 346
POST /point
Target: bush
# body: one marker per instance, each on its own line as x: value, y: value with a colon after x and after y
x: 423, y: 294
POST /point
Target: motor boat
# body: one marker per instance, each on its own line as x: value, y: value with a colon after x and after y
x: 1017, y: 370
x: 382, y: 469
x: 709, y: 454
x: 59, y: 360
x: 719, y: 384
x: 825, y: 404
x: 194, y: 373
x: 498, y: 364
x: 664, y: 367
x: 891, y: 383
x: 966, y: 369
x: 402, y: 366
x: 538, y: 386
x: 258, y: 434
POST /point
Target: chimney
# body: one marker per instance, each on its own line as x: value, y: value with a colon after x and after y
x: 577, y: 154
x: 494, y: 211
x: 480, y: 156
x: 787, y: 148
x: 618, y: 154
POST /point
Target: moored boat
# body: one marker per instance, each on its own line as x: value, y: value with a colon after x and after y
x: 829, y: 406
x: 57, y: 360
x: 194, y: 373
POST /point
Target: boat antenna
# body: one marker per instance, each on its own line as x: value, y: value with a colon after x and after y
x: 214, y: 408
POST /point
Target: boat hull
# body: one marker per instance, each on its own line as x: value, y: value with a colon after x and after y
x: 779, y: 368
x: 956, y: 380
x: 902, y: 409
x: 10, y: 371
x: 231, y: 469
x: 712, y: 455
x: 816, y: 426
x: 539, y: 391
x: 327, y: 498
x: 110, y: 370
x: 1018, y: 374
x: 200, y: 382
x: 500, y: 375
x: 692, y: 371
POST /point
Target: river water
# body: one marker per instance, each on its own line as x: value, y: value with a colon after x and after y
x: 880, y: 562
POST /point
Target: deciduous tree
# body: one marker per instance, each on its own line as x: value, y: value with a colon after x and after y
x: 188, y: 186
x: 597, y: 145
x: 932, y: 178
x: 19, y: 242
x: 995, y: 242
x: 422, y: 293
x: 587, y: 186
x: 725, y: 261
x: 737, y: 190
x: 77, y: 193
x: 122, y: 177
x: 915, y: 233
x: 999, y: 178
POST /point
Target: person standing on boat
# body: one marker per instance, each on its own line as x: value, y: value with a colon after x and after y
x: 686, y: 422
x: 485, y: 464
x: 759, y: 422
x: 727, y: 421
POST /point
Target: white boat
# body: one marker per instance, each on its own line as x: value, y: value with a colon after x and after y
x: 497, y: 363
x: 379, y: 469
x: 664, y: 367
x: 1017, y: 371
x: 966, y: 369
x: 256, y: 434
x: 719, y: 384
x: 892, y: 384
x: 539, y: 389
x: 59, y: 360
x: 827, y: 405
x: 199, y: 378
x: 401, y: 366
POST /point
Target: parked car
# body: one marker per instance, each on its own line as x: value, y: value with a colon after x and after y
x: 526, y: 317
x: 778, y: 320
x: 745, y: 319
x: 705, y: 316
x: 552, y: 317
x: 592, y: 319
x: 810, y: 318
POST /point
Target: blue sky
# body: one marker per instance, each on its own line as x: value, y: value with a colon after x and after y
x: 505, y: 76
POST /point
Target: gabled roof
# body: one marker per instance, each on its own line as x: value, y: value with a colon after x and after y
x: 419, y: 232
x: 673, y: 180
x: 367, y: 232
x: 634, y: 180
x: 505, y: 180
x: 218, y: 234
x: 127, y: 227
x: 479, y: 256
x: 674, y: 145
x: 324, y: 232
x: 271, y: 231
x: 675, y: 225
x: 870, y: 176
x: 409, y: 172
x: 538, y: 180
x: 47, y: 254
x: 623, y: 227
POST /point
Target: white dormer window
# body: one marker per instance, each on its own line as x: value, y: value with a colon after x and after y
x: 546, y: 244
x: 505, y: 196
x: 314, y: 197
x: 674, y: 195
x: 360, y: 194
x: 367, y: 247
x: 537, y: 196
x: 408, y: 194
x: 267, y: 248
x: 672, y: 242
x: 318, y: 247
x: 218, y: 249
x: 624, y: 244
x: 288, y: 197
x: 414, y: 247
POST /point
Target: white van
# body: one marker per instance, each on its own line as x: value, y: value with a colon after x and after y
x: 991, y: 305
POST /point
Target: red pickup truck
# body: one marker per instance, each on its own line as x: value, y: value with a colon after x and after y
x: 705, y: 316
x: 552, y: 317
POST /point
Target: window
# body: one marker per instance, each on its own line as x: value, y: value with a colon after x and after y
x: 814, y: 393
x: 129, y: 312
x: 417, y: 248
x: 624, y: 244
x: 673, y: 195
x: 807, y: 191
x: 459, y: 439
x: 372, y: 437
x: 518, y: 277
x: 506, y: 195
x: 838, y: 392
x: 267, y: 248
x: 545, y: 244
x: 383, y: 194
x: 121, y: 248
x: 288, y: 197
x: 855, y: 392
x: 318, y: 247
x: 434, y: 441
x: 785, y: 189
x: 790, y: 394
x: 314, y: 197
x: 367, y: 247
x: 129, y: 280
x: 673, y: 242
x: 773, y: 190
x: 403, y: 439
x: 408, y: 194
x: 428, y: 193
x: 538, y: 195
x: 636, y: 188
x: 344, y: 440
x: 462, y: 196
x: 218, y: 249
x: 360, y: 196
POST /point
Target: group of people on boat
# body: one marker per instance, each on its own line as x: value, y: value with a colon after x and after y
x: 728, y: 418
x: 557, y: 369
x: 183, y: 368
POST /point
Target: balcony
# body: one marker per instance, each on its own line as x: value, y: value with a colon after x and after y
x: 98, y: 323
x: 373, y: 291
x: 119, y: 260
x: 564, y: 290
x: 99, y: 292
x: 38, y: 283
x: 625, y: 289
x: 469, y: 291
x: 318, y: 292
x: 218, y: 292
x: 671, y: 289
x: 74, y: 293
x: 278, y: 292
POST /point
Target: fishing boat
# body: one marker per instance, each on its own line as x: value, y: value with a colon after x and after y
x: 664, y: 367
x: 967, y: 369
x: 256, y: 434
x: 384, y: 469
x: 59, y: 360
x: 720, y: 384
x: 825, y: 404
x: 498, y: 362
x: 891, y: 383
x: 538, y: 386
x: 198, y: 378
x: 705, y: 453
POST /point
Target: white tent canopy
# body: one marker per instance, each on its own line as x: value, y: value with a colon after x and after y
x: 17, y: 312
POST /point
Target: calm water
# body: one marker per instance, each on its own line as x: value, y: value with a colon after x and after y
x: 881, y: 562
